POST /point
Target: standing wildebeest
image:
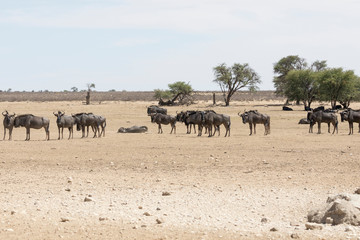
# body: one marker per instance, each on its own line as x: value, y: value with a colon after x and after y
x: 189, y: 118
x: 351, y: 116
x: 160, y: 118
x: 210, y: 119
x: 155, y: 109
x: 101, y: 122
x: 133, y: 129
x: 8, y: 123
x: 83, y: 120
x: 64, y: 121
x: 253, y: 117
x: 322, y: 116
x: 30, y: 121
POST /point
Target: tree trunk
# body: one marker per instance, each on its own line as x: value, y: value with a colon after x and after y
x: 88, y: 98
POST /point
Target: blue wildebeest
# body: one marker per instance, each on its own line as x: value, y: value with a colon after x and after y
x: 101, y: 122
x: 86, y: 120
x: 210, y: 119
x: 253, y: 117
x: 189, y: 118
x: 160, y: 118
x: 155, y: 109
x: 133, y: 129
x: 8, y: 123
x: 30, y: 121
x: 322, y: 116
x: 64, y: 121
x: 351, y: 116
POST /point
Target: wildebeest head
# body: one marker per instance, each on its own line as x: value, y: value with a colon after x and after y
x: 344, y: 115
x: 8, y: 117
x: 244, y: 116
x: 58, y: 115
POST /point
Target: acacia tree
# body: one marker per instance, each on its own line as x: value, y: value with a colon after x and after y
x: 180, y: 91
x: 89, y: 87
x: 281, y: 69
x: 302, y: 85
x: 231, y: 79
x: 335, y: 85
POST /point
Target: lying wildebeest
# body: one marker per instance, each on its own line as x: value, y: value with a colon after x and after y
x: 133, y: 129
x: 8, y: 123
x: 86, y: 120
x: 30, y: 121
x: 285, y: 108
x: 210, y: 119
x: 160, y: 118
x: 351, y: 116
x: 253, y: 117
x: 189, y: 118
x: 64, y: 121
x: 322, y: 116
x: 304, y: 121
x: 155, y: 109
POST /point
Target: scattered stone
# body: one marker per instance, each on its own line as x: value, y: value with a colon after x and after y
x: 159, y: 221
x: 357, y: 191
x: 143, y: 226
x: 9, y: 230
x: 13, y: 212
x: 147, y: 214
x: 294, y: 236
x: 65, y: 220
x: 140, y: 207
x: 294, y: 224
x: 329, y: 220
x: 103, y: 218
x: 166, y: 194
x: 274, y: 229
x: 88, y: 199
x: 70, y: 180
x: 67, y: 189
x: 158, y: 209
x: 342, y: 208
x: 313, y: 226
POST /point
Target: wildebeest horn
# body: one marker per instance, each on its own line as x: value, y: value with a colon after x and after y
x: 6, y: 112
x: 54, y: 113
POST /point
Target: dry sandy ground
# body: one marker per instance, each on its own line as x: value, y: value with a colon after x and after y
x: 178, y: 186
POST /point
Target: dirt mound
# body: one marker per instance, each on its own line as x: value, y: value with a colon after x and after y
x: 342, y: 208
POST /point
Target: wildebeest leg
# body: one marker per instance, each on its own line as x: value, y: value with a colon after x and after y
x: 83, y: 131
x: 62, y: 133
x: 70, y: 131
x: 199, y: 130
x: 329, y: 127
x: 250, y: 126
x: 159, y: 128
x: 210, y: 130
x: 4, y: 133
x: 47, y: 132
x: 27, y: 134
x: 319, y: 127
x: 10, y: 133
x: 173, y: 127
x: 351, y: 128
x: 254, y: 128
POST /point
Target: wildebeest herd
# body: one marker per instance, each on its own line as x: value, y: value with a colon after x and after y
x: 81, y: 120
x: 208, y: 121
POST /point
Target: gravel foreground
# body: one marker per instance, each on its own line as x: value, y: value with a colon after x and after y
x: 173, y: 186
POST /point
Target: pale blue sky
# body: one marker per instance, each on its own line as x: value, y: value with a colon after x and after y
x: 143, y: 44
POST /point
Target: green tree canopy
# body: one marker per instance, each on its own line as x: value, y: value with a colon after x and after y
x: 231, y: 79
x: 335, y: 85
x: 180, y: 91
x: 282, y: 67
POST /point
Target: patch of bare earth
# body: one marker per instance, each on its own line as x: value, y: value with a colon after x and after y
x: 173, y: 186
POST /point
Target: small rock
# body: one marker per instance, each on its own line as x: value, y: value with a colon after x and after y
x: 88, y: 199
x: 9, y: 230
x: 13, y: 212
x: 103, y: 218
x: 64, y: 220
x: 274, y: 229
x: 166, y: 194
x: 159, y: 221
x: 329, y: 220
x: 357, y: 191
x: 313, y: 226
x: 294, y: 236
x: 264, y: 220
x: 67, y: 189
x: 147, y: 214
x: 70, y: 180
x: 140, y: 207
x: 158, y: 209
x: 143, y: 226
